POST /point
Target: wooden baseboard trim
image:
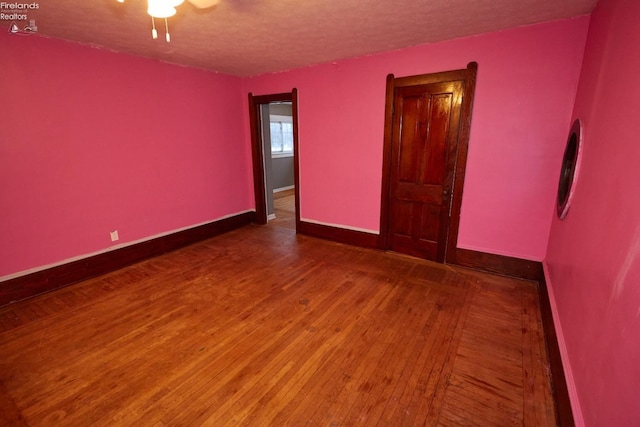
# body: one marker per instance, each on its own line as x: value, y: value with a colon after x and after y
x: 62, y: 275
x: 564, y: 413
x: 500, y: 264
x: 341, y: 235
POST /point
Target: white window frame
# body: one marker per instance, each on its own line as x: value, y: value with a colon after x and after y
x: 276, y: 118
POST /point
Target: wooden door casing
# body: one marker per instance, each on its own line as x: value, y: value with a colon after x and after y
x: 426, y: 138
x: 258, y: 155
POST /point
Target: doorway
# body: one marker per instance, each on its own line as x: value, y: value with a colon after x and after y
x: 274, y: 140
x: 427, y: 127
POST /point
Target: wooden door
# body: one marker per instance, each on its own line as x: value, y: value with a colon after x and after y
x: 423, y: 154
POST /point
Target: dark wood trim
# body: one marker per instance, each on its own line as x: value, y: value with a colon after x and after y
x: 499, y: 264
x: 257, y: 149
x: 564, y: 413
x: 461, y: 161
x: 341, y: 235
x: 386, y: 163
x: 425, y: 79
x: 258, y: 160
x: 468, y: 77
x: 62, y: 275
x: 273, y: 97
x: 296, y: 155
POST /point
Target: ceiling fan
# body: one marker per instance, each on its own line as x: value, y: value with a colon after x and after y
x: 163, y: 9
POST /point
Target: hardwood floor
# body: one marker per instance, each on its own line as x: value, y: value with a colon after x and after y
x: 262, y: 327
x: 285, y: 209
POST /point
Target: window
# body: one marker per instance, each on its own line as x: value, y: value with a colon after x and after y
x: 281, y: 135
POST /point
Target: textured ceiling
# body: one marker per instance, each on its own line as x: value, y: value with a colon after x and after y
x: 250, y: 37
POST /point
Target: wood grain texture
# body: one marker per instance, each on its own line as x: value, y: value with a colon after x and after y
x: 260, y: 326
x: 284, y: 203
x: 500, y: 264
x: 507, y: 266
x: 340, y: 235
x: 257, y: 159
x: 423, y: 158
x: 456, y: 159
x: 386, y: 162
x: 56, y: 277
x: 10, y: 415
x: 296, y: 155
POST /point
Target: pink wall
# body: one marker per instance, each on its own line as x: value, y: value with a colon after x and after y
x: 526, y: 85
x: 92, y: 141
x: 593, y: 258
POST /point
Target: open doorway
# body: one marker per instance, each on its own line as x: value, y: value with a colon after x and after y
x: 277, y: 139
x: 273, y: 120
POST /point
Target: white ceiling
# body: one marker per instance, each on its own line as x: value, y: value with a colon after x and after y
x: 251, y: 37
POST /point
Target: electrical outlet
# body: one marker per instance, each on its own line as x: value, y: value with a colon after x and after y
x: 114, y: 235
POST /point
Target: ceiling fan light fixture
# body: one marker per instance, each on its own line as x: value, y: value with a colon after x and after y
x: 161, y: 8
x: 154, y: 32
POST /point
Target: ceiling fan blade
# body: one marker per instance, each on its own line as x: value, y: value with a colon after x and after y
x: 203, y: 4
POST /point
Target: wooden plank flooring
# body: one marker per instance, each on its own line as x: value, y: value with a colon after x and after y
x: 284, y: 204
x: 261, y: 327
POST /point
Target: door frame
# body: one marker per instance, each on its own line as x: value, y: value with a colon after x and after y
x: 257, y: 152
x: 468, y: 77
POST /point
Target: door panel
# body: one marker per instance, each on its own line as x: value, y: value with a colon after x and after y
x: 434, y: 166
x: 429, y: 221
x: 423, y: 151
x: 404, y: 212
x: 409, y: 154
